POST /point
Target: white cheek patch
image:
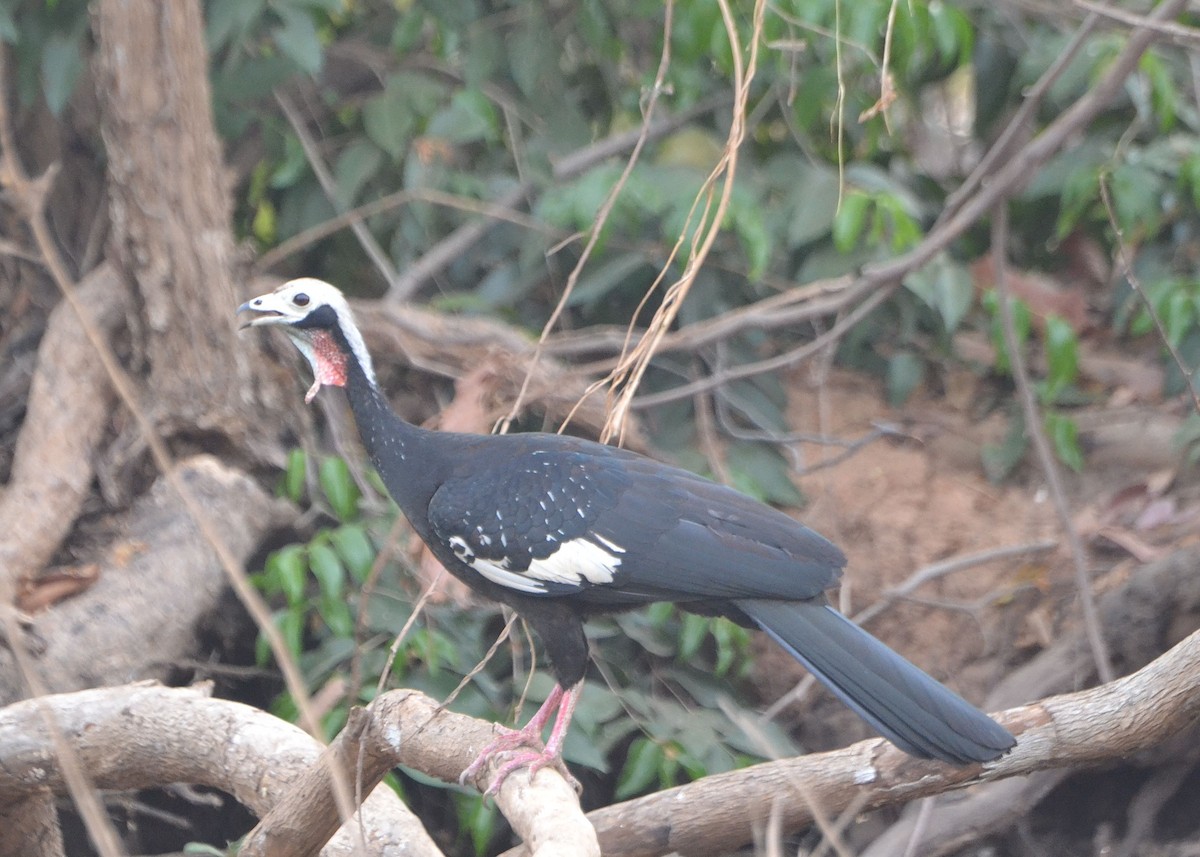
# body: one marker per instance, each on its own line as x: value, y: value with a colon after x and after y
x: 574, y: 562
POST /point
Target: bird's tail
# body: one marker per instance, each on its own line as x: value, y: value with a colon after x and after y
x: 909, y: 708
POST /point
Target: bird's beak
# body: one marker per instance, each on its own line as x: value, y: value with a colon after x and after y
x: 265, y: 305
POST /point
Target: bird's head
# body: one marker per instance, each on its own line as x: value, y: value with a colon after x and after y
x: 317, y: 318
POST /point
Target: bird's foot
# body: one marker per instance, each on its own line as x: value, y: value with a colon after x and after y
x: 523, y: 747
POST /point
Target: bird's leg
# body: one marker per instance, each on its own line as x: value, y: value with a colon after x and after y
x: 562, y: 701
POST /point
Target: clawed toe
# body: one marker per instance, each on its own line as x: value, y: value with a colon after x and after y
x: 523, y: 756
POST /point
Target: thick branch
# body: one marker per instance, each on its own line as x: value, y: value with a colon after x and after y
x: 68, y: 410
x: 144, y: 736
x: 141, y: 736
x: 156, y: 582
x: 403, y: 727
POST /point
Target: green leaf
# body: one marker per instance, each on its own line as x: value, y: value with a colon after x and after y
x: 62, y: 63
x: 407, y: 30
x: 1000, y: 459
x: 297, y: 39
x: 1137, y: 195
x: 354, y: 547
x: 759, y: 470
x: 1064, y: 434
x: 849, y: 220
x: 1177, y: 312
x: 1062, y: 355
x: 731, y: 641
x: 905, y: 371
x: 336, y: 614
x: 287, y: 565
x: 296, y: 475
x: 291, y: 626
x: 945, y: 287
x: 691, y: 635
x: 814, y: 205
x: 227, y: 20
x: 339, y: 488
x: 8, y: 27
x: 265, y: 224
x: 388, y: 120
x: 747, y: 219
x: 471, y: 117
x: 481, y: 817
x: 357, y: 164
x: 641, y: 768
x: 327, y: 569
x: 1022, y: 320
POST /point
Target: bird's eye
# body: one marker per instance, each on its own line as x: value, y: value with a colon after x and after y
x: 300, y: 299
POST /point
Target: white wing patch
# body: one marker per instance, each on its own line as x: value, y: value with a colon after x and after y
x: 574, y: 562
x: 497, y: 573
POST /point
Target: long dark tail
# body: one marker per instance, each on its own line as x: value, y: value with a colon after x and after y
x: 909, y: 708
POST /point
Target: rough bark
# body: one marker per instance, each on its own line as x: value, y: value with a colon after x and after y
x: 29, y: 826
x: 404, y: 727
x: 146, y: 736
x: 142, y: 736
x: 157, y: 580
x: 170, y: 207
x: 66, y: 417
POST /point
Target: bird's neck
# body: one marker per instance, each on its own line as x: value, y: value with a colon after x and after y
x: 392, y: 444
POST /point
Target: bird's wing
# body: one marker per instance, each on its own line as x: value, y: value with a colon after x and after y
x: 614, y: 528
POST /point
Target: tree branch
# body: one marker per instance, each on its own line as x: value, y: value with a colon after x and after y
x: 67, y: 412
x: 404, y: 727
x: 146, y: 736
x: 142, y: 736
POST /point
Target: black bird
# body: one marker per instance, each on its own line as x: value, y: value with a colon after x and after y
x: 560, y: 528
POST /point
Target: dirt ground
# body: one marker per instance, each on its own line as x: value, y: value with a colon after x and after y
x: 902, y: 503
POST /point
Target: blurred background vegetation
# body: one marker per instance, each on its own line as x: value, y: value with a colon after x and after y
x: 478, y: 141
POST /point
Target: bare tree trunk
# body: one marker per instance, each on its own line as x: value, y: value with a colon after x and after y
x: 170, y: 207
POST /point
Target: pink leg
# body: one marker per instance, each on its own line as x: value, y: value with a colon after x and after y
x: 529, y: 736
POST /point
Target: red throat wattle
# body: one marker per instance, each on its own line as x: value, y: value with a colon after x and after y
x: 330, y: 370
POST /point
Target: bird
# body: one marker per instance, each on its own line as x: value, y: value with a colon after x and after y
x: 561, y: 528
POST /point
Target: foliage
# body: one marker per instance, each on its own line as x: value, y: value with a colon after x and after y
x: 661, y: 724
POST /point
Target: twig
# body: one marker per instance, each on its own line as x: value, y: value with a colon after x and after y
x: 602, y: 215
x: 1179, y: 34
x: 924, y: 812
x: 1037, y: 434
x: 625, y: 379
x: 1126, y: 268
x: 780, y: 361
x: 1019, y: 123
x: 391, y: 545
x: 328, y: 184
x: 454, y: 245
x: 313, y: 234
